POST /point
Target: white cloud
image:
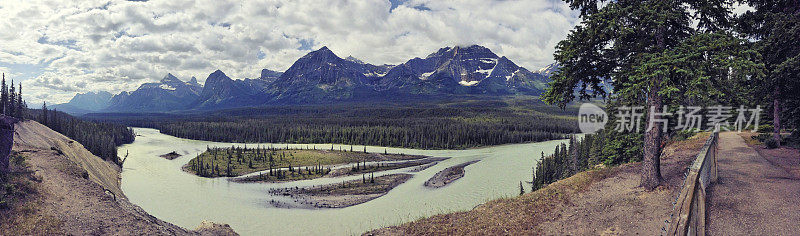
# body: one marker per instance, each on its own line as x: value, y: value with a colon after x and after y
x: 116, y: 45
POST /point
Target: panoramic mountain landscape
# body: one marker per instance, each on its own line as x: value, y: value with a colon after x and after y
x: 323, y: 77
x: 399, y: 117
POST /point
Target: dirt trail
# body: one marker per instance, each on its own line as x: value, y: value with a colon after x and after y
x: 753, y: 196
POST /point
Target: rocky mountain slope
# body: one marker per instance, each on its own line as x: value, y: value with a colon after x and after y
x: 85, y: 102
x: 323, y: 77
x: 167, y: 95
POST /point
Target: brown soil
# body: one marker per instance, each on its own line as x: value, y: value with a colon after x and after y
x: 757, y: 194
x: 604, y: 201
x: 448, y: 175
x: 78, y: 191
x: 347, y: 194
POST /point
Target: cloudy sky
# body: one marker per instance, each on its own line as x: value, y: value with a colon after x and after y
x: 57, y: 48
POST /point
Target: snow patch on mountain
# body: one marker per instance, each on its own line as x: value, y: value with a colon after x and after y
x: 469, y: 83
x: 168, y: 87
x: 426, y: 75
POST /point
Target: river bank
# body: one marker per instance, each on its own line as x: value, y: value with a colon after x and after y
x: 70, y: 191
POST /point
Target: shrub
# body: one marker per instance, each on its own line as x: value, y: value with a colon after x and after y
x: 771, y: 143
x: 765, y: 128
x: 762, y: 137
x: 621, y: 148
x: 683, y: 135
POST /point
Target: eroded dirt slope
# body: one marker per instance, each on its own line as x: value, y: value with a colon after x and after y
x: 81, y: 191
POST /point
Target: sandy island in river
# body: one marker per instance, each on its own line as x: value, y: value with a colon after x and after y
x: 447, y: 176
x: 345, y: 194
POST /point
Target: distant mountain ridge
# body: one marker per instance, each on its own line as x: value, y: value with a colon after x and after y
x: 323, y: 77
x: 83, y: 103
x: 168, y: 94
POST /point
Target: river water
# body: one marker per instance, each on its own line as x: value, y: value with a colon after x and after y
x: 162, y: 189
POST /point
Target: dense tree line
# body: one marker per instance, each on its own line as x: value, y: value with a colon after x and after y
x: 412, y: 133
x: 774, y: 27
x: 11, y: 102
x: 427, y: 128
x: 101, y: 139
x: 218, y: 162
x: 568, y: 159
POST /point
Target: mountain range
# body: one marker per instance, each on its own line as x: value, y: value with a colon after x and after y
x: 322, y: 77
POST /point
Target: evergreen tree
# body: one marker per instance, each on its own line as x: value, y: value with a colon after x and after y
x: 12, y: 101
x: 775, y: 26
x: 21, y: 108
x: 44, y: 117
x: 3, y: 96
x: 650, y: 50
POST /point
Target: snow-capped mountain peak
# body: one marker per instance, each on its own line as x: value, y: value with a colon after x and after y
x: 548, y: 70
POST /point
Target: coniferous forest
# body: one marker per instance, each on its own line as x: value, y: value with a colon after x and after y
x: 568, y: 159
x: 99, y: 138
x: 437, y: 127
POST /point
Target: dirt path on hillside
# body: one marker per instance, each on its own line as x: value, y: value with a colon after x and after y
x: 753, y: 196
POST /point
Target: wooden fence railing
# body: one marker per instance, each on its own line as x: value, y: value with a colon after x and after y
x: 689, y: 213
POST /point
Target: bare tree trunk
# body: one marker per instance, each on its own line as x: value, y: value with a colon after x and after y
x: 651, y: 162
x: 776, y: 115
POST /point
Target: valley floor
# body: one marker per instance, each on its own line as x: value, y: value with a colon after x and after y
x: 605, y: 201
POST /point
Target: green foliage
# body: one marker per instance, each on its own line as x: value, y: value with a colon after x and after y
x: 16, y: 184
x: 11, y: 102
x: 771, y: 143
x: 774, y: 27
x: 766, y: 128
x: 567, y: 160
x: 438, y: 127
x: 654, y: 55
x: 284, y: 163
x: 642, y: 46
x: 622, y: 148
x: 681, y: 135
x: 762, y: 137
